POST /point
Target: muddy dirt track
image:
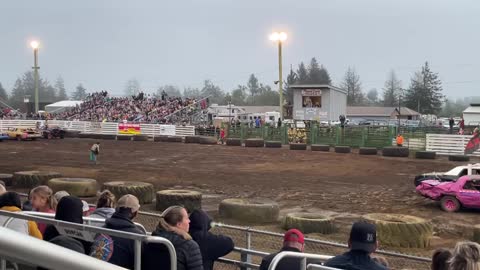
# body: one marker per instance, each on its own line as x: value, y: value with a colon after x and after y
x: 343, y: 185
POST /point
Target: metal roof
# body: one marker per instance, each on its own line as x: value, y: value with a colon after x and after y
x: 318, y: 86
x: 378, y: 111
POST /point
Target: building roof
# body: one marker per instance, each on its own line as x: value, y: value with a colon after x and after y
x: 378, y: 111
x: 474, y: 108
x: 260, y: 109
x: 318, y: 86
x: 65, y: 103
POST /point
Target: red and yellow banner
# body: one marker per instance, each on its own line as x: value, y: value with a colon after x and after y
x: 129, y: 129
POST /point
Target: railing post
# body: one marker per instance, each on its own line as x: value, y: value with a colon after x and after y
x: 243, y: 258
x: 248, y: 245
x: 303, y: 263
x: 138, y: 255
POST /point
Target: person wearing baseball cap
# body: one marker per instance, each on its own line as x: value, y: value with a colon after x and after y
x: 362, y: 243
x: 116, y: 250
x: 293, y: 240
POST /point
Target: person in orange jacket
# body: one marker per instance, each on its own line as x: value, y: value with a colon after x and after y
x: 399, y: 140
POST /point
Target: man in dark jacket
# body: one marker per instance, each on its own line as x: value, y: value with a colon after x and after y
x: 293, y: 241
x: 116, y: 250
x: 362, y: 243
x: 212, y: 246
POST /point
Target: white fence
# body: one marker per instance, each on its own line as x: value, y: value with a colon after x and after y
x: 411, y: 143
x: 107, y: 128
x: 447, y: 144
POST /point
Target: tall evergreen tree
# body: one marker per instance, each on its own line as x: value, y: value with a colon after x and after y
x: 3, y: 94
x: 170, y: 90
x: 253, y: 86
x: 302, y: 74
x: 25, y: 86
x: 80, y: 93
x: 61, y: 92
x: 372, y: 97
x: 317, y: 74
x: 214, y: 92
x: 391, y: 90
x: 132, y: 87
x: 189, y: 92
x: 425, y: 92
x: 351, y: 83
x: 239, y: 95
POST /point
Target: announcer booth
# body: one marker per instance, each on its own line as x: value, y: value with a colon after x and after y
x: 318, y: 102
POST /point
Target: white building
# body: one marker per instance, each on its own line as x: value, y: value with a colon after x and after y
x: 471, y: 115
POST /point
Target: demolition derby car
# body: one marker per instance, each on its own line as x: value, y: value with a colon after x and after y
x: 53, y: 132
x: 465, y: 192
x: 452, y: 175
x: 23, y: 134
x: 3, y: 137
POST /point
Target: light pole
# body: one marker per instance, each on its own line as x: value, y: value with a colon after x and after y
x: 34, y: 44
x: 279, y: 37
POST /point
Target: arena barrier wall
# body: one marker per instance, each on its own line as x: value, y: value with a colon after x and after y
x: 449, y: 144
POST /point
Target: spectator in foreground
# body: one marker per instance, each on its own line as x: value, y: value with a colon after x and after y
x: 10, y: 201
x: 362, y: 243
x: 440, y: 259
x: 174, y: 226
x: 211, y: 246
x: 105, y: 205
x: 294, y: 241
x: 123, y: 251
x: 43, y: 201
x: 466, y: 256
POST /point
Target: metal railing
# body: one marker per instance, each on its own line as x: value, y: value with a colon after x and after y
x: 137, y: 238
x: 302, y: 256
x: 319, y: 267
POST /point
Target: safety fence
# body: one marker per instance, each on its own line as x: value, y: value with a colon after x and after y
x: 447, y: 144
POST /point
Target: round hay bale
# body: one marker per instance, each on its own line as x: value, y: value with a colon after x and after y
x: 298, y: 146
x: 394, y: 230
x: 476, y: 233
x: 31, y: 179
x: 140, y: 138
x: 207, y: 140
x: 309, y: 223
x: 6, y: 178
x: 72, y: 134
x: 395, y: 151
x: 249, y: 210
x: 320, y: 147
x: 191, y: 200
x: 143, y: 191
x: 458, y: 158
x: 124, y: 137
x: 234, y: 142
x: 425, y: 155
x: 367, y: 151
x: 80, y: 187
x: 161, y: 138
x: 273, y: 144
x: 175, y: 139
x: 108, y: 137
x: 192, y: 139
x: 343, y: 149
x: 254, y: 143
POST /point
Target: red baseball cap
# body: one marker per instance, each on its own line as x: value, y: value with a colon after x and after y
x: 294, y: 235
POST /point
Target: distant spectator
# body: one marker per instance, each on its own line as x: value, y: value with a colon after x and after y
x: 451, y: 122
x: 10, y: 201
x: 42, y: 200
x: 362, y: 243
x: 399, y: 140
x: 174, y: 226
x: 466, y: 256
x: 279, y: 122
x: 222, y: 135
x: 94, y: 152
x: 440, y: 259
x: 105, y: 205
x: 122, y: 251
x: 211, y: 246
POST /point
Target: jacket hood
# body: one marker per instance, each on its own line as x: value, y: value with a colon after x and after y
x: 11, y: 209
x: 171, y: 236
x: 104, y: 212
x: 120, y: 221
x: 200, y: 221
x: 70, y: 209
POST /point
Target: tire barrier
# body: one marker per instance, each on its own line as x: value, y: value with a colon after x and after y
x: 298, y: 146
x: 257, y: 211
x: 192, y: 139
x: 273, y: 144
x: 143, y: 191
x: 368, y: 151
x: 140, y: 138
x: 7, y: 179
x: 458, y: 158
x: 207, y: 140
x: 83, y: 135
x: 191, y: 200
x: 395, y: 151
x: 161, y: 138
x: 343, y: 149
x: 234, y: 142
x: 425, y: 155
x: 175, y: 139
x: 254, y: 143
x: 320, y: 147
x: 404, y: 231
x: 80, y: 187
x: 108, y: 137
x: 124, y: 137
x: 72, y: 134
x: 31, y: 179
x: 309, y: 223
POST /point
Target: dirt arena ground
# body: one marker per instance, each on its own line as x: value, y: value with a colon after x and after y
x: 341, y: 185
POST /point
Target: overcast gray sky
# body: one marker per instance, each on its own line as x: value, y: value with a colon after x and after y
x: 102, y: 44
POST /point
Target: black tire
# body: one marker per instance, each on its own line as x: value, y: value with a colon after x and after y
x: 459, y: 158
x: 108, y: 137
x: 176, y: 139
x: 320, y: 147
x: 254, y: 143
x: 208, y: 140
x: 31, y: 179
x: 143, y: 191
x: 273, y: 144
x: 140, y: 138
x: 425, y: 155
x: 124, y: 137
x: 257, y: 211
x: 7, y: 179
x: 234, y: 142
x: 19, y: 138
x: 72, y: 134
x: 192, y: 139
x: 367, y: 151
x: 309, y: 223
x: 395, y: 152
x: 343, y: 149
x: 450, y: 204
x: 80, y: 187
x: 191, y: 200
x: 298, y: 146
x: 83, y: 135
x: 161, y: 138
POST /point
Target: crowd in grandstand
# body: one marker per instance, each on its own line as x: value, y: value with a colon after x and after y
x: 196, y: 248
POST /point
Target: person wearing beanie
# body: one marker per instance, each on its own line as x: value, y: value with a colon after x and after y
x: 294, y: 241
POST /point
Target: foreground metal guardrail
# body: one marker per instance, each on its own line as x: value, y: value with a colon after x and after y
x: 82, y: 228
x: 302, y: 256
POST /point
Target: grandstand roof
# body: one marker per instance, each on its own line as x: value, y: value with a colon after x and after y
x: 66, y: 103
x: 378, y: 111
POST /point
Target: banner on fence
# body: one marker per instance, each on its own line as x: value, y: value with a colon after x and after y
x: 168, y: 130
x: 129, y: 129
